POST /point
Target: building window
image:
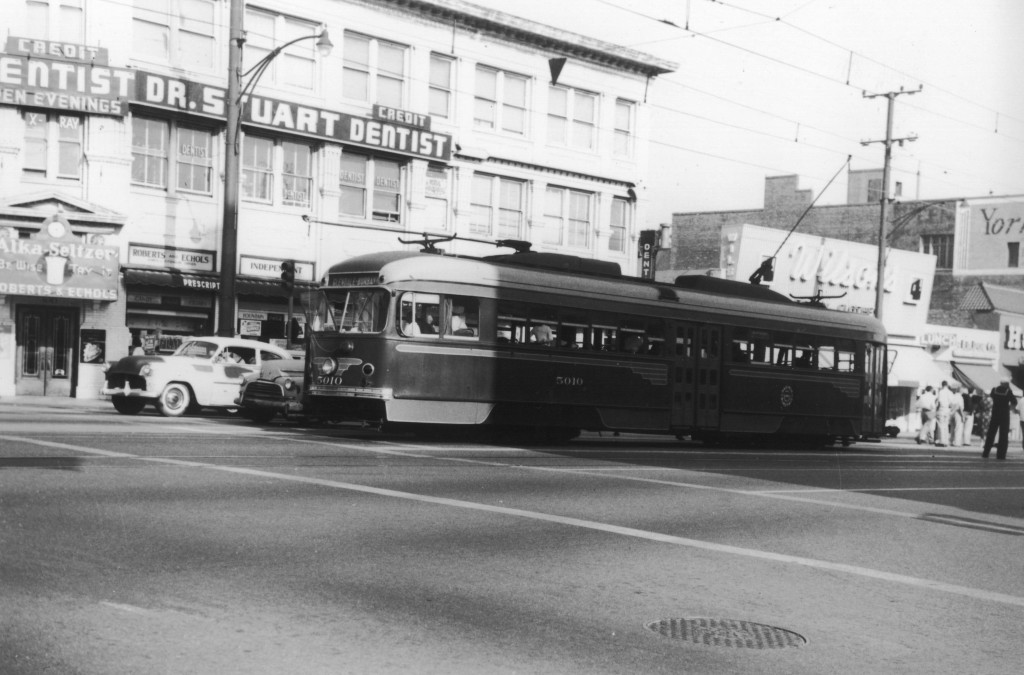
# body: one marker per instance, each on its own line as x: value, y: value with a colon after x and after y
x: 379, y: 180
x: 500, y: 100
x: 53, y: 145
x: 58, y: 20
x: 264, y: 32
x: 374, y: 70
x: 180, y: 32
x: 438, y: 195
x: 441, y: 73
x: 497, y: 200
x: 191, y: 161
x: 1013, y: 254
x: 567, y: 217
x: 264, y: 158
x: 940, y: 246
x: 874, y: 190
x: 257, y: 169
x: 572, y: 118
x: 297, y: 173
x: 625, y: 127
x: 619, y: 225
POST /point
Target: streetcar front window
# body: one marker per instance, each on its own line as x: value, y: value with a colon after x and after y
x: 362, y: 310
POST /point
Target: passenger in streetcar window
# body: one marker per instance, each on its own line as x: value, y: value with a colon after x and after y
x: 458, y: 326
x: 427, y: 325
x: 634, y: 344
x: 541, y: 334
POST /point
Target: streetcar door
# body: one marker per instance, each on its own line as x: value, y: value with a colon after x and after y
x: 709, y: 370
x: 696, y: 376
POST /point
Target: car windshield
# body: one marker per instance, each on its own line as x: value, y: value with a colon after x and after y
x: 196, y: 349
x: 362, y: 310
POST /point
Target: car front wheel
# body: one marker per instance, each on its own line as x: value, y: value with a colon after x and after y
x: 175, y: 400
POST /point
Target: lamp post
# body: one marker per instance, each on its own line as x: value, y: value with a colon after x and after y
x: 236, y: 95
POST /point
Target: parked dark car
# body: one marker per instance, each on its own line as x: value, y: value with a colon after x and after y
x: 275, y: 389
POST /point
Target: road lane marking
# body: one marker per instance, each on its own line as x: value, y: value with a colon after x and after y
x: 757, y: 554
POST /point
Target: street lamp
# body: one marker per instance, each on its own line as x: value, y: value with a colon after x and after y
x: 235, y: 101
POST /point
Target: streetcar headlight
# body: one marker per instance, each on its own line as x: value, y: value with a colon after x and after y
x: 146, y: 370
x: 329, y: 366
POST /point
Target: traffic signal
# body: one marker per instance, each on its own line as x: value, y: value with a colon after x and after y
x: 288, y: 274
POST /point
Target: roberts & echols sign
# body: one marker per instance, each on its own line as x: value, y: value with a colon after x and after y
x: 63, y: 76
x: 54, y: 263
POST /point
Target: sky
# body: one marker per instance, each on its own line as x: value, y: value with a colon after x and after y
x: 788, y: 87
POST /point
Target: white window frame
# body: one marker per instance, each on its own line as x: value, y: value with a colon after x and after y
x: 189, y: 38
x: 441, y: 86
x: 619, y: 224
x: 275, y: 170
x: 175, y: 150
x: 372, y: 190
x: 493, y: 211
x: 562, y: 220
x: 625, y: 128
x: 569, y: 127
x: 438, y: 195
x: 496, y: 108
x: 374, y: 71
x: 57, y: 20
x: 54, y: 143
x: 296, y: 66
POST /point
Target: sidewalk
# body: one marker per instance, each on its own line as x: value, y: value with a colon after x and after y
x: 59, y: 402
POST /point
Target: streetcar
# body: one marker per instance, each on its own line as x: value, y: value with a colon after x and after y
x: 543, y: 346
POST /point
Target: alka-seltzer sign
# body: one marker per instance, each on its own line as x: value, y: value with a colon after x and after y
x: 65, y: 76
x: 55, y: 263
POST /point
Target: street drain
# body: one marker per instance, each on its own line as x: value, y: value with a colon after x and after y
x: 727, y: 633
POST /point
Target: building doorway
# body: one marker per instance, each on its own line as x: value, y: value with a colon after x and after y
x: 45, y: 351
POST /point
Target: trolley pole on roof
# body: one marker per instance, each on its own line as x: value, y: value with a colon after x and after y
x: 889, y: 140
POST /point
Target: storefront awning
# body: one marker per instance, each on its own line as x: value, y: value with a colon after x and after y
x: 267, y: 288
x: 172, y: 279
x: 914, y: 367
x: 981, y: 377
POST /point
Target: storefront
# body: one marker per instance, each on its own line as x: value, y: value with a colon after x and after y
x: 58, y: 294
x: 263, y: 307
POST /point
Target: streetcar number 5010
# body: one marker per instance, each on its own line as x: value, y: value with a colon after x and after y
x: 563, y: 381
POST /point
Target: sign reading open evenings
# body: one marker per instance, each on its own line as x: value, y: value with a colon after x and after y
x: 62, y: 76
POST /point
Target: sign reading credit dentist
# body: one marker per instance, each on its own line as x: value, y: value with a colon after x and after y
x: 67, y: 76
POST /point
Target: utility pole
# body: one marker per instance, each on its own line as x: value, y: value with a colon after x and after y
x: 889, y: 140
x: 229, y: 225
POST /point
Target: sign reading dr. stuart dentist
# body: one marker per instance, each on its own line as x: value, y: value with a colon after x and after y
x: 59, y: 76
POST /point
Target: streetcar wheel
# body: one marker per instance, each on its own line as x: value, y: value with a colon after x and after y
x: 175, y: 400
x: 128, y: 406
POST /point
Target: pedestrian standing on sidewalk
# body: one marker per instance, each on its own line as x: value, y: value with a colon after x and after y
x: 968, y: 405
x: 1003, y: 401
x: 943, y: 414
x: 956, y: 416
x: 926, y: 404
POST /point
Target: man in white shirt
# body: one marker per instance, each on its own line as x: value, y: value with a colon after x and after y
x: 926, y: 404
x: 943, y: 410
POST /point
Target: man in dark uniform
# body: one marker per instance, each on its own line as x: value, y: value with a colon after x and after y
x: 1003, y: 401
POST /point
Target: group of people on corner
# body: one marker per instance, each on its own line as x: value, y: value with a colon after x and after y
x: 949, y: 416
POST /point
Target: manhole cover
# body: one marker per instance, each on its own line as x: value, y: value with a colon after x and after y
x: 727, y: 633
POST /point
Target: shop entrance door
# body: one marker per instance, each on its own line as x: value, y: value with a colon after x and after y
x: 45, y: 351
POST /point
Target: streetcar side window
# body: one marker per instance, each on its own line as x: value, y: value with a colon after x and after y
x: 461, y: 316
x: 418, y: 315
x: 846, y: 359
x: 572, y: 330
x: 826, y: 357
x: 357, y: 311
x: 511, y: 327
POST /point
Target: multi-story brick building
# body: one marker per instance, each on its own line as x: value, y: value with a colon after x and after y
x: 427, y: 116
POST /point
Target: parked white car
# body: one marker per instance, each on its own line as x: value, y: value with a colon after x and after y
x: 202, y: 372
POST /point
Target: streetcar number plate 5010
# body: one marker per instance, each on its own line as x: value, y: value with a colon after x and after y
x: 563, y: 381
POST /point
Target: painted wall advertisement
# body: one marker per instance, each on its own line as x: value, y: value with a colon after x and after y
x: 842, y: 274
x: 990, y: 236
x: 55, y: 263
